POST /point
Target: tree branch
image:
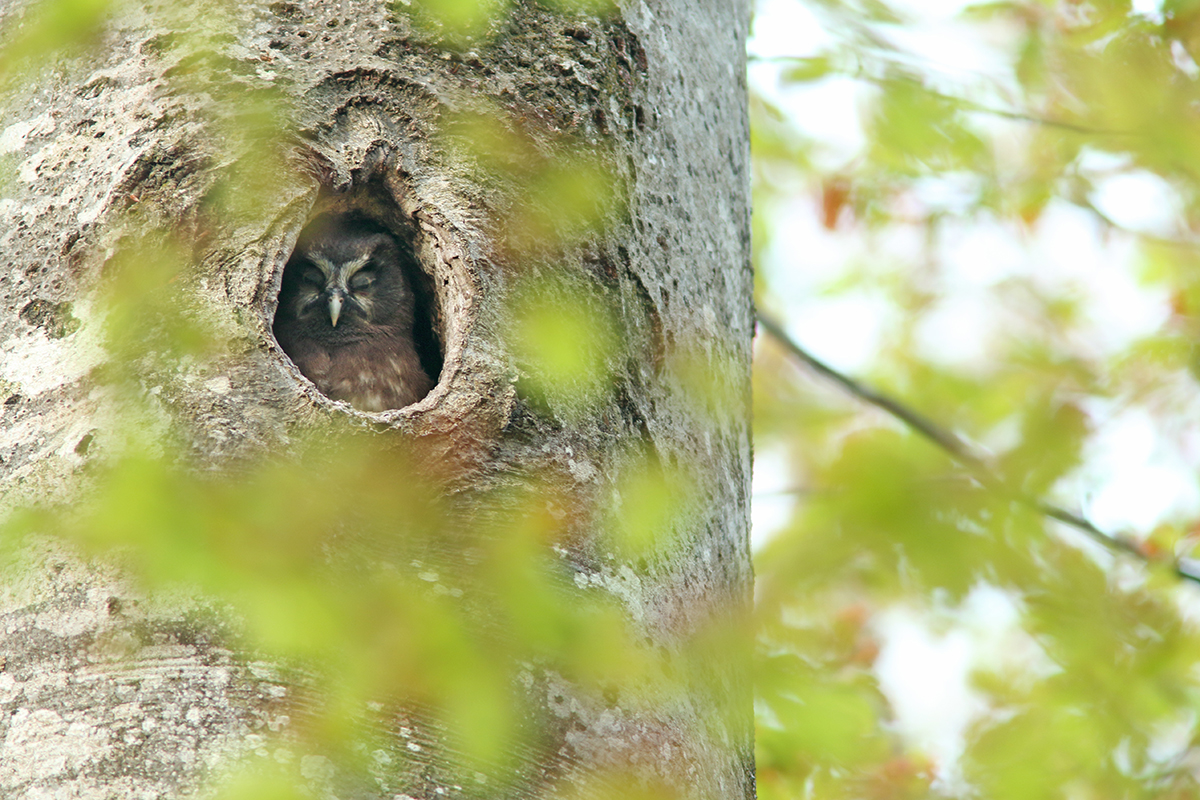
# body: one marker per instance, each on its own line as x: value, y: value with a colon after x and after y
x: 1185, y: 568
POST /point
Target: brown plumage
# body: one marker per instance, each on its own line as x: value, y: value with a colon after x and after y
x: 345, y: 314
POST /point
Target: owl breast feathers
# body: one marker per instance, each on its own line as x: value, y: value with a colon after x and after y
x: 345, y: 314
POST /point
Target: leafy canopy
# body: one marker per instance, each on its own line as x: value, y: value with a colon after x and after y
x: 1007, y: 246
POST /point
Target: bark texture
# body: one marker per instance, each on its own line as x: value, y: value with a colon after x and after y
x: 104, y: 693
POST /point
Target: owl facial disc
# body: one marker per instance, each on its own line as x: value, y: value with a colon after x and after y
x: 337, y: 281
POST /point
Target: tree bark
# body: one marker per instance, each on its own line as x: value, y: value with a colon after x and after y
x: 151, y: 139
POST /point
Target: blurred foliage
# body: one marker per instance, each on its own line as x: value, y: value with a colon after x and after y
x: 565, y: 339
x: 49, y: 26
x: 1080, y: 674
x: 558, y: 191
x: 462, y: 24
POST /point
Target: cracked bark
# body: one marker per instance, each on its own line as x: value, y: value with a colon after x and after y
x: 107, y: 693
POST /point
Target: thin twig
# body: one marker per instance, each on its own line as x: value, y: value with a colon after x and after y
x: 944, y: 439
x: 1188, y: 569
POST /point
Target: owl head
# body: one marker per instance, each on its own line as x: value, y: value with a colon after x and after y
x: 346, y: 281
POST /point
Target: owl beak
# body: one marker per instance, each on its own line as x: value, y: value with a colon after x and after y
x: 335, y: 307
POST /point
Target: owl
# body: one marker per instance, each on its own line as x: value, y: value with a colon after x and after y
x: 345, y: 314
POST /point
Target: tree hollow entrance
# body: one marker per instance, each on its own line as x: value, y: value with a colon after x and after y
x: 356, y: 310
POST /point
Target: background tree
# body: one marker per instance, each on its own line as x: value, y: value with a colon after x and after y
x: 534, y: 581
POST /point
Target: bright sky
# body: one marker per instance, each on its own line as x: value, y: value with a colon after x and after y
x: 1135, y: 474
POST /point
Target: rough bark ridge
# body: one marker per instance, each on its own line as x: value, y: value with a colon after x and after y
x: 106, y: 694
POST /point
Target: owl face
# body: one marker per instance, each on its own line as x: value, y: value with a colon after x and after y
x: 345, y: 280
x: 327, y: 287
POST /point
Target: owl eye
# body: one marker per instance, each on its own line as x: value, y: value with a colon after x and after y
x: 313, y: 275
x: 363, y: 279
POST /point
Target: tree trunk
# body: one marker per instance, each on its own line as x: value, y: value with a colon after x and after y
x: 196, y: 150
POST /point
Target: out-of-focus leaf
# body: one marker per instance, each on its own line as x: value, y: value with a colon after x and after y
x: 653, y: 500
x: 803, y: 70
x: 561, y: 192
x: 48, y: 28
x: 258, y: 786
x: 598, y: 7
x: 566, y: 340
x: 805, y: 718
x: 985, y: 11
x: 915, y: 129
x: 1052, y: 435
x: 457, y: 24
